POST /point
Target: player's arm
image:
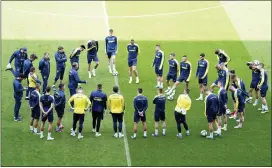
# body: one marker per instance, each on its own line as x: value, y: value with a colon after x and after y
x: 177, y: 63
x: 122, y: 103
x: 70, y: 100
x: 154, y: 100
x: 116, y: 45
x: 236, y: 100
x: 109, y: 103
x: 51, y: 107
x: 206, y: 105
x: 106, y: 44
x: 88, y: 103
x: 74, y: 53
x: 128, y: 48
x: 78, y: 79
x: 138, y: 50
x: 105, y: 99
x: 207, y: 69
x: 97, y: 45
x: 12, y: 57
x: 227, y: 80
x: 228, y: 58
x: 41, y: 106
x: 41, y: 65
x: 91, y: 97
x: 197, y: 70
x: 162, y: 60
x: 190, y: 69
x: 146, y: 105
x: 262, y: 79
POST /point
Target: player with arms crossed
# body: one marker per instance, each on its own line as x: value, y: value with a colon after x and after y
x: 44, y: 67
x: 133, y: 52
x: 211, y: 110
x: 158, y: 64
x: 222, y: 57
x: 92, y: 49
x: 254, y: 81
x: 202, y: 74
x: 184, y: 103
x: 223, y: 102
x: 74, y: 57
x: 223, y: 76
x: 173, y: 71
x: 185, y: 75
x: 46, y: 106
x: 61, y: 59
x: 263, y: 87
x: 34, y: 105
x: 140, y: 106
x: 116, y: 106
x: 60, y: 101
x: 159, y: 113
x: 80, y: 106
x: 111, y: 51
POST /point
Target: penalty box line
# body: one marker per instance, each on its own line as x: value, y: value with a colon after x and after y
x: 117, y: 84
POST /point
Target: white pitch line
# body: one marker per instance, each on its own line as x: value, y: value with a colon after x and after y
x: 106, y: 16
x: 120, y: 17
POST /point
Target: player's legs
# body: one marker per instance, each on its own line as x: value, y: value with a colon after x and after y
x: 113, y: 62
x: 75, y: 120
x: 173, y: 89
x: 263, y: 98
x: 145, y: 128
x: 17, y: 107
x: 162, y: 118
x: 134, y: 69
x: 27, y: 91
x: 96, y: 65
x: 81, y: 121
x: 99, y: 118
x: 57, y: 76
x: 120, y: 124
x: 183, y: 121
x: 60, y: 112
x: 219, y: 121
x: 31, y: 124
x: 62, y: 75
x: 42, y: 128
x: 256, y: 97
x: 130, y: 74
x: 114, y: 120
x: 178, y: 122
x: 50, y: 121
x: 94, y: 116
x: 157, y: 119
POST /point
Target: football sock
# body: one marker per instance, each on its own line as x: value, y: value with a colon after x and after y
x: 179, y: 134
x: 201, y: 95
x: 31, y: 128
x: 35, y: 130
x: 156, y: 131
x: 164, y: 130
x: 145, y: 133
x: 134, y: 135
x: 49, y: 134
x: 256, y: 101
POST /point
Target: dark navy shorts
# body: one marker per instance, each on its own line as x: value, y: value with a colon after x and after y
x: 233, y: 98
x: 49, y: 117
x: 254, y: 84
x: 222, y: 111
x: 180, y: 118
x: 91, y: 58
x: 183, y: 78
x: 171, y: 76
x: 137, y: 117
x: 110, y: 54
x: 158, y: 71
x: 211, y: 117
x: 60, y: 111
x: 241, y: 107
x: 132, y: 62
x: 263, y: 91
x: 203, y: 81
x: 35, y: 113
x: 159, y: 116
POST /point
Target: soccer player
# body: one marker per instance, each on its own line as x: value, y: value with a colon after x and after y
x: 263, y: 87
x: 238, y: 83
x: 222, y: 57
x: 159, y: 114
x: 158, y: 64
x: 61, y: 59
x: 116, y: 105
x: 173, y: 71
x: 46, y: 106
x: 44, y: 67
x: 185, y: 75
x: 99, y: 105
x: 111, y: 50
x: 223, y: 102
x: 18, y: 94
x: 28, y: 64
x: 202, y: 74
x: 240, y: 104
x: 254, y: 81
x: 80, y: 106
x: 20, y: 56
x: 211, y: 110
x: 32, y: 81
x: 92, y: 49
x: 223, y: 75
x: 74, y: 57
x: 140, y: 107
x: 184, y: 103
x: 60, y: 101
x: 35, y: 108
x: 133, y: 52
x: 74, y: 79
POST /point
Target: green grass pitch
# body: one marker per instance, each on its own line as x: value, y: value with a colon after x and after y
x: 250, y: 146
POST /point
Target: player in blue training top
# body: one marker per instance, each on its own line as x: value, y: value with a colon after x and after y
x: 159, y: 114
x: 20, y: 56
x: 223, y: 102
x: 211, y: 110
x: 158, y: 64
x: 74, y: 57
x: 133, y: 52
x: 256, y: 74
x: 61, y: 59
x: 223, y: 76
x: 47, y: 105
x: 99, y: 105
x: 185, y: 75
x: 60, y: 101
x: 44, y: 67
x: 202, y: 74
x: 140, y: 106
x: 92, y: 49
x: 111, y: 51
x: 173, y: 72
x: 263, y: 87
x: 74, y: 79
x: 18, y: 94
x: 34, y: 100
x: 222, y: 57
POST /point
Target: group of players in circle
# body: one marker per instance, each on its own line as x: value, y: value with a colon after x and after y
x: 98, y: 102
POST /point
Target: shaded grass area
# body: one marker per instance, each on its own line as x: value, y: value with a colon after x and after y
x: 249, y: 146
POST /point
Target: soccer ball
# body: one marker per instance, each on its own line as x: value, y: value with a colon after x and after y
x: 170, y: 97
x: 228, y: 111
x: 114, y: 73
x: 203, y: 133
